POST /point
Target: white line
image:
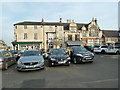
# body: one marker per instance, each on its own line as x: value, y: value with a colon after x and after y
x: 99, y: 81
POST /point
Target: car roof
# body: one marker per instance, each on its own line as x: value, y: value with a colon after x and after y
x: 32, y: 50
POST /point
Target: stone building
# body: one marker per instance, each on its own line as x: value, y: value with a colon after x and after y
x: 46, y: 35
x: 3, y: 46
x: 110, y: 36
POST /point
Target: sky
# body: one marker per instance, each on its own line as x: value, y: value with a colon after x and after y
x: 81, y: 12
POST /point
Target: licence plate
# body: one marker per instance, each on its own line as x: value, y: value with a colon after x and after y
x: 61, y: 62
x: 29, y: 66
x: 88, y: 58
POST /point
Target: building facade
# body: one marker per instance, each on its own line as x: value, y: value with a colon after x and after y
x: 3, y: 46
x: 110, y: 37
x: 46, y: 35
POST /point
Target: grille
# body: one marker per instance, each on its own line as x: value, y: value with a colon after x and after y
x: 31, y: 63
x: 60, y: 59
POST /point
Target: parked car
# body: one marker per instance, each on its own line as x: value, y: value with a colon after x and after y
x: 57, y: 57
x: 6, y: 59
x: 80, y: 54
x: 30, y: 60
x: 113, y: 50
x: 100, y: 49
x: 89, y: 48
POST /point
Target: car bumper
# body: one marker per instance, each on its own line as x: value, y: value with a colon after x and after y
x: 59, y: 62
x: 27, y: 68
x: 85, y: 59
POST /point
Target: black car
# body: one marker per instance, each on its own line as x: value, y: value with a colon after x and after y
x: 57, y: 57
x: 80, y: 54
x: 89, y: 48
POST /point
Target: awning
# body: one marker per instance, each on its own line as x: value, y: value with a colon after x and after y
x: 50, y: 42
x: 15, y: 43
x: 75, y: 43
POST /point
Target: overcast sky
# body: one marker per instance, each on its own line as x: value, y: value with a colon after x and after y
x: 81, y: 12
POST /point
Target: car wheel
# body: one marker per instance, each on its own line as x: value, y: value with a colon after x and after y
x: 50, y: 63
x: 67, y: 64
x: 74, y: 60
x: 117, y: 53
x: 103, y: 51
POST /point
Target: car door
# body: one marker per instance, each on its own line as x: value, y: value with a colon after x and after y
x: 8, y: 58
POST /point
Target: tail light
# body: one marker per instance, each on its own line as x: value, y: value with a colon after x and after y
x: 16, y: 55
x: 1, y: 60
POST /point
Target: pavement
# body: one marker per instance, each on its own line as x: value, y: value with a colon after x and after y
x: 102, y: 73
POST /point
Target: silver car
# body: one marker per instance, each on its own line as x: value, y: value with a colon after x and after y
x: 113, y: 50
x: 30, y: 60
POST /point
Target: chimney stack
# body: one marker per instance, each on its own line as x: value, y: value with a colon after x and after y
x: 60, y: 20
x: 42, y: 19
x: 95, y: 20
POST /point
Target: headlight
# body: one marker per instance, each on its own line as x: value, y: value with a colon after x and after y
x: 93, y: 54
x: 42, y: 61
x: 19, y: 62
x: 68, y: 58
x: 79, y: 55
x: 53, y: 59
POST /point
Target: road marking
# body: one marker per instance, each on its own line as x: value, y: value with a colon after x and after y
x: 99, y: 81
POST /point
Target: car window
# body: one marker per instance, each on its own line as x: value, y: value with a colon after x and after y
x: 57, y: 52
x: 31, y: 53
x: 117, y: 47
x: 80, y: 49
x: 110, y: 47
x: 14, y: 51
x: 96, y: 46
x: 7, y: 54
x: 104, y: 46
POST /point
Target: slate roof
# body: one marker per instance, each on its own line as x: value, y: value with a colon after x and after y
x: 110, y: 33
x: 80, y: 25
x: 66, y: 25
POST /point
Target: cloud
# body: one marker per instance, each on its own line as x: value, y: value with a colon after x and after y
x: 13, y: 12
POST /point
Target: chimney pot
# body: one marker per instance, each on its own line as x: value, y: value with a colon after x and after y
x: 60, y: 20
x: 42, y: 19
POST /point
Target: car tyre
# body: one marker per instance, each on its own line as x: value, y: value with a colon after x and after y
x: 117, y: 53
x: 67, y: 64
x: 74, y: 60
x: 50, y: 63
x: 103, y: 51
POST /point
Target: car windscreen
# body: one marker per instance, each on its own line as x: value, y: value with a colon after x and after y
x: 31, y: 53
x: 80, y: 49
x: 57, y: 52
x: 110, y: 47
x: 14, y: 52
